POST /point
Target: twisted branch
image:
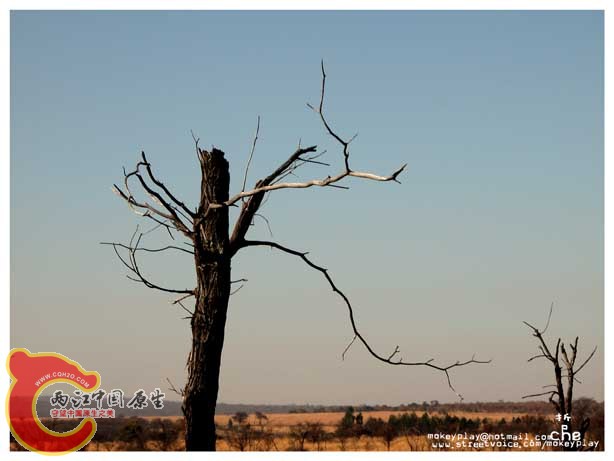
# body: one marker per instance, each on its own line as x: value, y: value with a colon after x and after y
x: 131, y: 263
x: 273, y: 181
x: 564, y: 400
x: 357, y: 335
x: 172, y: 206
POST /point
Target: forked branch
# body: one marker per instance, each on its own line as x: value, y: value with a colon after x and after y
x: 251, y: 154
x: 561, y: 360
x: 130, y: 262
x: 328, y: 181
x: 173, y: 211
x: 300, y: 157
x: 390, y: 359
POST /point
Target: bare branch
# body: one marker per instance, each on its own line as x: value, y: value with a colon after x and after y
x: 537, y: 356
x: 297, y: 159
x: 196, y: 140
x: 158, y: 225
x: 190, y: 313
x: 251, y: 154
x: 329, y: 180
x: 171, y: 213
x: 394, y: 352
x: 565, y: 357
x: 543, y: 347
x: 172, y: 388
x: 551, y: 393
x: 132, y: 265
x: 174, y: 217
x: 320, y: 111
x: 586, y: 361
x: 388, y: 360
x: 178, y: 300
x: 149, y: 250
x: 134, y: 205
x: 574, y: 352
x: 298, y: 163
x: 266, y: 221
x: 164, y: 224
x: 549, y: 317
x: 539, y: 335
x: 161, y: 185
x: 316, y: 162
x: 561, y: 400
x: 347, y: 348
x: 251, y: 206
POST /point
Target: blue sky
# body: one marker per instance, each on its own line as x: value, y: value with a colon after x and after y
x: 499, y: 116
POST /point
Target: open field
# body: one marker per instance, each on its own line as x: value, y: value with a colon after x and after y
x: 330, y: 419
x: 282, y: 421
x: 378, y: 430
x: 283, y: 424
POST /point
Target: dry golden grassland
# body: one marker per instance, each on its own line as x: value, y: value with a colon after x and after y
x: 280, y: 425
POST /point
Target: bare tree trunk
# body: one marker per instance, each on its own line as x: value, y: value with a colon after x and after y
x: 558, y: 375
x: 562, y: 403
x: 212, y: 261
x: 207, y: 232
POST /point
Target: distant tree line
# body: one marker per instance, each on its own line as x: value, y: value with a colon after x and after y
x: 406, y: 425
x: 245, y: 432
x: 433, y: 406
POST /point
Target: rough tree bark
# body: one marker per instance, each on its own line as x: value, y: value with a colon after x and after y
x: 212, y: 262
x: 212, y: 247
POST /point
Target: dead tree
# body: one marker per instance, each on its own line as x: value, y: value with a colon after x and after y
x: 565, y: 375
x: 206, y: 231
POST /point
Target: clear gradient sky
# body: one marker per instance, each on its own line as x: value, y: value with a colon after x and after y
x: 499, y: 116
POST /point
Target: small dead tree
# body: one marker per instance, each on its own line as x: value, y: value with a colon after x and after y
x: 164, y: 432
x: 299, y: 434
x: 317, y: 434
x: 264, y: 434
x: 565, y: 374
x: 208, y: 241
x: 240, y: 436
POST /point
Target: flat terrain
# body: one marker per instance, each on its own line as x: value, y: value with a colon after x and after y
x: 330, y: 419
x: 282, y: 431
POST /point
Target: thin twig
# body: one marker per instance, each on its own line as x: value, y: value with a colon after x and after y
x: 132, y: 265
x: 251, y: 154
